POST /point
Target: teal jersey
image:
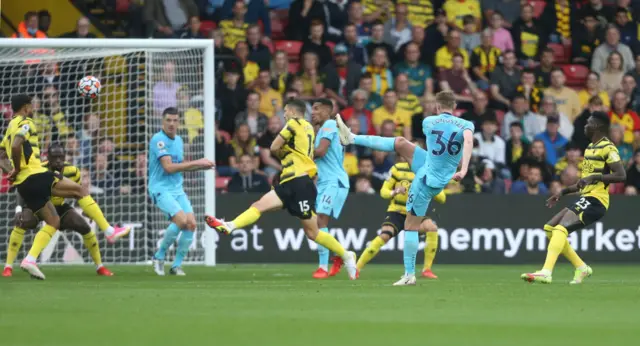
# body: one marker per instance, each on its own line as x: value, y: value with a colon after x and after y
x: 417, y: 76
x: 159, y: 180
x: 373, y: 102
x: 330, y: 168
x: 445, y: 140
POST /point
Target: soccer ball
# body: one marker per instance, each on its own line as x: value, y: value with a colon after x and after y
x: 89, y: 87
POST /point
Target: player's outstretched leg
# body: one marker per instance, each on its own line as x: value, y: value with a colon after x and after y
x: 269, y: 201
x: 378, y: 242
x: 70, y: 219
x: 69, y: 189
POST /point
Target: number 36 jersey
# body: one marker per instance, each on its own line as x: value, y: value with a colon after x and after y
x: 297, y: 152
x: 444, y: 134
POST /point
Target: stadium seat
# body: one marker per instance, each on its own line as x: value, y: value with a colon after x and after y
x: 292, y: 48
x: 222, y: 182
x: 122, y: 6
x: 277, y: 28
x: 576, y: 75
x: 538, y: 7
x: 5, y: 184
x: 294, y: 67
x: 559, y: 53
x: 206, y: 26
x: 331, y: 45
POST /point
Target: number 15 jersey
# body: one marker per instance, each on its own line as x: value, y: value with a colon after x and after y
x: 297, y: 152
x: 445, y: 138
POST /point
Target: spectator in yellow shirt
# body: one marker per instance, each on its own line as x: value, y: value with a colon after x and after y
x: 235, y: 30
x: 566, y: 99
x: 458, y: 9
x: 270, y: 99
x: 390, y: 111
x: 592, y: 88
x: 250, y: 69
x: 444, y: 55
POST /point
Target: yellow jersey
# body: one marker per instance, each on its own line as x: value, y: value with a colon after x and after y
x: 402, y: 175
x: 457, y: 9
x: 444, y: 58
x: 411, y: 104
x: 69, y: 171
x: 420, y: 12
x: 597, y: 158
x: 371, y: 6
x: 30, y: 161
x: 400, y: 117
x: 297, y: 152
x: 233, y: 34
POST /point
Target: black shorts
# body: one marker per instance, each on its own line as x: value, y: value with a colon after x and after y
x: 298, y: 196
x: 589, y: 210
x: 63, y: 209
x: 395, y: 220
x: 36, y: 189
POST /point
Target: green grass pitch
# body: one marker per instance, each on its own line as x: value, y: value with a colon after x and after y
x: 281, y: 305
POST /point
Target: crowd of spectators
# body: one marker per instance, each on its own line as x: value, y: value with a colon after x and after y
x: 527, y: 73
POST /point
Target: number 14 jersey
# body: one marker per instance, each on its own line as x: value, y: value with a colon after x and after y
x: 297, y: 152
x: 444, y: 134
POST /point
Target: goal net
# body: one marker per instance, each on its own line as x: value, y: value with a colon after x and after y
x: 107, y: 137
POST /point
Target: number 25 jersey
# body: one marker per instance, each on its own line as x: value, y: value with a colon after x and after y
x: 445, y: 138
x: 297, y: 152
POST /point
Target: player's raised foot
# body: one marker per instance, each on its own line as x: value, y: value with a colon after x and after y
x: 406, y: 280
x: 320, y: 274
x: 538, y: 277
x: 350, y: 263
x: 336, y: 265
x: 118, y: 232
x: 177, y: 271
x: 7, y: 272
x: 427, y: 273
x: 346, y: 137
x: 357, y: 273
x: 32, y: 268
x: 103, y: 271
x: 217, y: 224
x: 581, y: 274
x: 158, y: 267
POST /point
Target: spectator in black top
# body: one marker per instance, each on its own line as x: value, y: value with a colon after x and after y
x: 480, y: 112
x: 628, y: 29
x: 269, y: 163
x: 301, y: 15
x: 516, y: 147
x: 579, y: 138
x: 633, y: 175
x: 357, y: 53
x: 316, y: 44
x: 335, y: 20
x: 342, y: 76
x: 537, y: 156
x: 528, y: 37
x: 81, y: 31
x: 587, y: 39
x: 604, y: 14
x: 44, y: 21
x: 435, y: 36
x: 505, y: 80
x: 428, y: 109
x: 377, y: 41
x: 486, y: 178
x: 258, y: 52
x: 543, y: 72
x: 224, y: 151
x: 232, y: 97
x: 365, y: 167
x: 247, y: 179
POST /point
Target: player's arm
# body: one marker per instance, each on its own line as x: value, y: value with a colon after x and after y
x: 281, y: 139
x: 171, y: 167
x: 467, y: 149
x: 16, y: 153
x: 387, y: 191
x: 322, y: 148
x: 5, y: 164
x: 617, y: 175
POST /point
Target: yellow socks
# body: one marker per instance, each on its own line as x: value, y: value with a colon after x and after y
x: 42, y: 239
x: 327, y: 240
x: 441, y: 197
x: 430, y: 249
x: 91, y: 243
x: 250, y: 216
x: 15, y: 242
x: 568, y: 252
x: 370, y: 252
x: 556, y: 246
x: 91, y: 208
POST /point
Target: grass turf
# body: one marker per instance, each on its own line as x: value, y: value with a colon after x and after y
x: 281, y: 305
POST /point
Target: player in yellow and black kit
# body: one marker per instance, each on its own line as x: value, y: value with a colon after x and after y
x: 296, y: 190
x: 69, y: 218
x: 36, y: 184
x: 601, y: 167
x: 396, y: 189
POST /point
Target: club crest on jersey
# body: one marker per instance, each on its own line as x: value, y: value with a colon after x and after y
x: 160, y: 145
x: 614, y: 156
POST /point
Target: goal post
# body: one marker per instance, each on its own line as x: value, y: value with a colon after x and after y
x: 107, y: 137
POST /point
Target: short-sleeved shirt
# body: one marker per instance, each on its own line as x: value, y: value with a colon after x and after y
x: 508, y: 83
x: 400, y: 117
x: 444, y: 57
x: 629, y: 121
x: 270, y: 101
x: 162, y: 145
x: 297, y: 152
x: 597, y: 158
x: 420, y: 12
x: 30, y: 160
x: 445, y: 139
x: 417, y: 76
x: 457, y: 9
x: 374, y: 101
x: 411, y: 103
x: 233, y: 34
x: 485, y: 60
x: 330, y: 166
x: 69, y: 171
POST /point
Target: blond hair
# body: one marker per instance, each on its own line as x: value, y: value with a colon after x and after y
x: 446, y: 99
